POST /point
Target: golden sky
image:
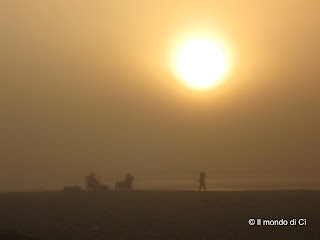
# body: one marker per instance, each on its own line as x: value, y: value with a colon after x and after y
x: 87, y: 86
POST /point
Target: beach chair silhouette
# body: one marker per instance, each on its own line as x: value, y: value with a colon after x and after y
x: 92, y: 183
x: 126, y: 184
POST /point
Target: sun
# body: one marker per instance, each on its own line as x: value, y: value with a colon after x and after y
x: 201, y: 63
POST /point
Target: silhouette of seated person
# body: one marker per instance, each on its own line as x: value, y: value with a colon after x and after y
x: 125, y: 184
x: 92, y: 181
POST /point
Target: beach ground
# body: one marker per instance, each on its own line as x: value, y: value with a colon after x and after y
x: 160, y: 215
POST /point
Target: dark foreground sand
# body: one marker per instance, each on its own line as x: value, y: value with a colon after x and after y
x: 159, y: 215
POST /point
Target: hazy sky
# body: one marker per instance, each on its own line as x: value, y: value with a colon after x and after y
x: 86, y: 86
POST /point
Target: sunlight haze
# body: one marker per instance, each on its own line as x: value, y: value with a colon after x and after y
x: 97, y: 86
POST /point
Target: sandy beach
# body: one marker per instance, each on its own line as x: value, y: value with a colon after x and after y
x: 159, y: 214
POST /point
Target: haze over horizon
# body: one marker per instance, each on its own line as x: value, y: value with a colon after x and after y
x: 86, y: 87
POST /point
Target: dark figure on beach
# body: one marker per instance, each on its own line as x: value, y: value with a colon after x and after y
x: 92, y: 182
x: 126, y: 184
x: 202, y: 182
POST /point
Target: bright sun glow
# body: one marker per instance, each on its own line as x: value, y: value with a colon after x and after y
x: 201, y: 63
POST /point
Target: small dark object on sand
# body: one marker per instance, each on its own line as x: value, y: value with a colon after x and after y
x: 72, y: 189
x: 103, y: 188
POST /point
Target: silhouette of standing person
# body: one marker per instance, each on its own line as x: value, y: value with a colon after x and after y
x: 202, y: 182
